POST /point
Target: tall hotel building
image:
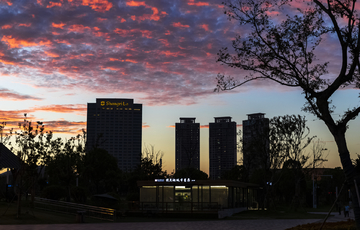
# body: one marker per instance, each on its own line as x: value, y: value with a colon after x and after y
x: 255, y: 141
x: 222, y: 146
x: 116, y: 125
x: 187, y: 144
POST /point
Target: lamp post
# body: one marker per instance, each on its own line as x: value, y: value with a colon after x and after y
x: 314, y: 193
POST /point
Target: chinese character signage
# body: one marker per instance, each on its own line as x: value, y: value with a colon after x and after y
x: 174, y: 180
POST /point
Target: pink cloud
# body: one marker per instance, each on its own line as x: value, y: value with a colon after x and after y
x: 14, y: 96
x: 178, y: 24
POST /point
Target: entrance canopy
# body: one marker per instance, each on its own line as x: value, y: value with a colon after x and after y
x: 7, y: 158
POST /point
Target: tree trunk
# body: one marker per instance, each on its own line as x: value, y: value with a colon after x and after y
x: 18, y: 213
x: 349, y: 171
x: 33, y: 189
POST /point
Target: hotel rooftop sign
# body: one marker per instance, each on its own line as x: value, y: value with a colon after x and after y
x: 114, y: 102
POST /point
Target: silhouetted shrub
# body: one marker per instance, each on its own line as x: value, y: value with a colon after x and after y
x: 54, y: 192
x: 78, y: 194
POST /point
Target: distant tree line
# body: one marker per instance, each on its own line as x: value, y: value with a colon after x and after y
x: 57, y: 168
x: 286, y: 159
x: 284, y: 169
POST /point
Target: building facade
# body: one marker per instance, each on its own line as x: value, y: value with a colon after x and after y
x: 115, y: 125
x: 222, y: 146
x: 187, y: 144
x: 255, y: 141
x: 195, y: 196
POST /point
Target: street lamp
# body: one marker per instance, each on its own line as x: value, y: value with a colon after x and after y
x: 314, y: 193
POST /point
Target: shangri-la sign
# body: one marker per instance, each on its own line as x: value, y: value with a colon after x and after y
x: 117, y: 104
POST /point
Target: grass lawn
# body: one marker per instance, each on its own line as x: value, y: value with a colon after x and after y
x: 35, y: 216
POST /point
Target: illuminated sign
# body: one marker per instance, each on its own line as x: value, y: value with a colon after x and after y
x: 117, y: 104
x: 174, y: 180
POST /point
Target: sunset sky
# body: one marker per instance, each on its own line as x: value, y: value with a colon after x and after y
x: 56, y: 56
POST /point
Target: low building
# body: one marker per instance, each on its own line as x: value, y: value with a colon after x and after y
x: 185, y: 195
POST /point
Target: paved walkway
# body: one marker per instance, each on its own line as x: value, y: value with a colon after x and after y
x: 186, y: 225
x: 336, y: 217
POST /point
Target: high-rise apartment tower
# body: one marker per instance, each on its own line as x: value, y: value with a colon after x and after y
x: 222, y: 146
x: 187, y: 144
x: 255, y: 141
x: 115, y: 125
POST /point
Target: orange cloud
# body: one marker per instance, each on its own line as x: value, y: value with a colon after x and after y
x: 51, y: 54
x: 101, y: 19
x: 98, y: 5
x: 69, y: 108
x: 15, y: 117
x: 121, y: 19
x: 7, y: 1
x: 205, y: 27
x: 146, y: 33
x: 165, y: 42
x: 134, y: 3
x: 61, y: 25
x: 132, y: 61
x: 6, y: 27
x: 169, y: 53
x: 12, y: 118
x: 78, y: 28
x: 26, y: 25
x: 154, y: 16
x: 193, y: 3
x: 126, y: 60
x: 67, y: 127
x: 121, y: 31
x: 84, y: 55
x: 52, y: 4
x: 6, y: 62
x: 17, y: 43
x: 97, y: 33
x: 62, y: 41
x: 178, y: 24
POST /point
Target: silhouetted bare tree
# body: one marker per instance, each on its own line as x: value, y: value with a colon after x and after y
x: 283, y: 49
